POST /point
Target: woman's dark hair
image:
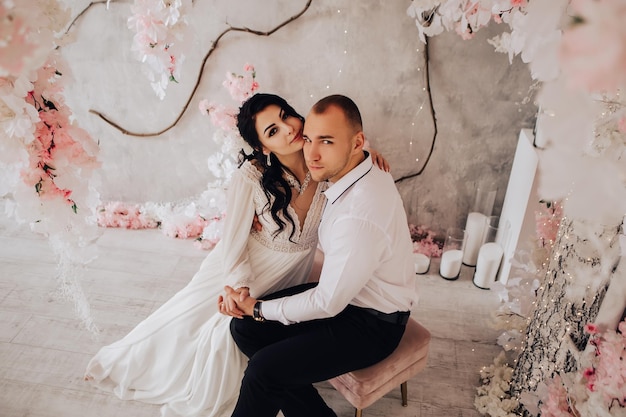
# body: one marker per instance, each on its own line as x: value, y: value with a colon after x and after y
x: 272, y: 181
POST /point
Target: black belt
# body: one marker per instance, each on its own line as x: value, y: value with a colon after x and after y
x: 399, y: 317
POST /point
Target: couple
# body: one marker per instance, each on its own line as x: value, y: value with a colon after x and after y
x: 183, y: 355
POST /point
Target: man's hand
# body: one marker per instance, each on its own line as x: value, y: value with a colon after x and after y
x: 228, y: 305
x: 243, y: 303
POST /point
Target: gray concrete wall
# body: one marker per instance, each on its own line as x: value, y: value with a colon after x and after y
x: 368, y: 50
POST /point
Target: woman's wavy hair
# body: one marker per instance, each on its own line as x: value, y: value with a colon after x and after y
x: 275, y: 187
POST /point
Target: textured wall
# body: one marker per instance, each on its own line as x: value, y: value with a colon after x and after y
x: 368, y: 50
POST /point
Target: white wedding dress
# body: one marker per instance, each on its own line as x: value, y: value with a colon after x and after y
x: 183, y: 355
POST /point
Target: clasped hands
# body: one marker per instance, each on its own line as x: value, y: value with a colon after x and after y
x: 236, y: 303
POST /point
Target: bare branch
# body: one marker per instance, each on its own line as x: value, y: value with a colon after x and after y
x: 199, y: 78
x: 79, y: 15
x: 433, y: 115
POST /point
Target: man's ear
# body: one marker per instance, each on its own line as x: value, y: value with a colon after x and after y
x: 359, y: 141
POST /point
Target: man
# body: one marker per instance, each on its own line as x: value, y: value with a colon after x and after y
x: 357, y: 313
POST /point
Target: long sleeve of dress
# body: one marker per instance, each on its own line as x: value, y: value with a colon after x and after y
x: 239, y: 216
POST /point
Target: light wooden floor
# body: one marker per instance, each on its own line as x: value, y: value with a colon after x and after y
x: 44, y: 348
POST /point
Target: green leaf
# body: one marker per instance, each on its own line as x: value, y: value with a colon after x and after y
x: 48, y: 104
x: 38, y: 186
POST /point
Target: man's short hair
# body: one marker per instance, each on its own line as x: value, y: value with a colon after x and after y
x: 349, y: 108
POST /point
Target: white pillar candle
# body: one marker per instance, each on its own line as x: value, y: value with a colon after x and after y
x: 450, y: 265
x: 489, y: 258
x: 422, y: 262
x: 474, y: 230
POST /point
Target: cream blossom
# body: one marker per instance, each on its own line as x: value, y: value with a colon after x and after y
x: 160, y: 26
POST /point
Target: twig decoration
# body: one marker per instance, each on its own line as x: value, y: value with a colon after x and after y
x: 79, y: 15
x: 195, y: 88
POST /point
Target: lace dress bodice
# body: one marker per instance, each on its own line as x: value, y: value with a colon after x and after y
x: 303, y: 239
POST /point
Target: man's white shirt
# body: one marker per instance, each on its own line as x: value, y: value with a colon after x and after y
x: 367, y: 249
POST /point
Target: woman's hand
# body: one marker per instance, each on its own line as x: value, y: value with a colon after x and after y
x: 228, y: 305
x: 379, y: 160
x: 243, y: 303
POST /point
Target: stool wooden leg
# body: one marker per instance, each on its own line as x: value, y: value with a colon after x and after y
x: 358, y: 412
x: 405, y: 401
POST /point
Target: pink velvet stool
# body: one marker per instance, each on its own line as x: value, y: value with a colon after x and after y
x: 363, y: 387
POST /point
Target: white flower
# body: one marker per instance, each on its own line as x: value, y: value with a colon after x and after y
x: 501, y: 43
x: 427, y: 20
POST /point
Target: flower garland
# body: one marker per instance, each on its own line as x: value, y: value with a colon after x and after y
x: 597, y: 389
x: 58, y: 148
x: 465, y: 17
x: 200, y: 220
x: 224, y: 117
x: 46, y: 160
x: 160, y: 27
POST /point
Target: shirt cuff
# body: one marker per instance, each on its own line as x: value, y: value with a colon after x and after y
x: 270, y: 310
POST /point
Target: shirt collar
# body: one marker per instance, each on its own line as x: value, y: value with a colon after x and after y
x: 338, y: 188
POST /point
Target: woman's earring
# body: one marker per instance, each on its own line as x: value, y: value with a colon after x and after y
x: 269, y: 160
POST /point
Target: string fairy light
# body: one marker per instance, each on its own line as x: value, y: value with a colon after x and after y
x: 428, y: 97
x: 425, y: 89
x: 339, y: 71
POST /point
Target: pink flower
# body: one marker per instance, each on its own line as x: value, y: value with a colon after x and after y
x: 128, y: 216
x: 547, y: 221
x: 621, y: 124
x: 204, y: 106
x: 556, y: 404
x: 591, y: 328
x: 425, y: 241
x: 172, y: 67
x: 240, y: 87
x: 223, y: 117
x: 589, y: 372
x: 243, y: 86
x: 184, y: 227
x: 464, y: 32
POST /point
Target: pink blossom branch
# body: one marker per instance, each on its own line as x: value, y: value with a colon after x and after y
x: 199, y: 78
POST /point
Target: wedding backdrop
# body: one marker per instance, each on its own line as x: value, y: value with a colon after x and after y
x: 119, y: 114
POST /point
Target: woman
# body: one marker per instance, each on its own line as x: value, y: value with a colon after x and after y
x: 183, y: 355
